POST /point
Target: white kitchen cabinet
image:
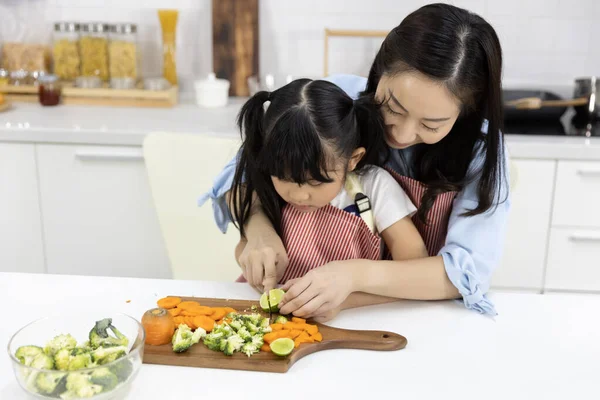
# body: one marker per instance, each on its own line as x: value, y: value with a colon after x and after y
x: 523, y: 261
x: 573, y: 259
x: 21, y: 245
x: 577, y: 194
x: 98, y: 216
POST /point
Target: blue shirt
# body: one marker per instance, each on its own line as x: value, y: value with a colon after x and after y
x: 473, y: 245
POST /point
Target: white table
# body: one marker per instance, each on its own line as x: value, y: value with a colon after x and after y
x: 538, y: 347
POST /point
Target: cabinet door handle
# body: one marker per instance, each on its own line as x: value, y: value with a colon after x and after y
x: 107, y: 155
x: 585, y: 237
x: 588, y: 172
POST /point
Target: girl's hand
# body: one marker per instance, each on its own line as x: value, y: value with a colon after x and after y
x: 320, y: 291
x: 263, y: 261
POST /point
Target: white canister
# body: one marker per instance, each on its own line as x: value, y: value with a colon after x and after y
x: 212, y: 92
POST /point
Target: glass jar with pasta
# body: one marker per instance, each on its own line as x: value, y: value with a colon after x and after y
x: 122, y: 51
x: 93, y: 46
x: 65, y: 50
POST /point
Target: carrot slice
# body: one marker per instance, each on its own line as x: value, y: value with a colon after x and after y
x: 303, y: 336
x: 294, y: 334
x: 296, y: 343
x: 269, y: 337
x: 168, y: 302
x: 204, y: 322
x: 218, y: 313
x: 186, y: 305
x: 276, y: 327
x: 174, y: 311
x: 229, y: 310
x: 311, y: 329
x: 265, y: 347
x: 317, y: 337
x: 299, y: 320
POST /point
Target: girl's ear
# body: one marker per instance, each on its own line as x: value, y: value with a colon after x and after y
x: 357, y: 155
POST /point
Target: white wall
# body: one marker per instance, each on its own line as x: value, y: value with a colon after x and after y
x: 544, y: 41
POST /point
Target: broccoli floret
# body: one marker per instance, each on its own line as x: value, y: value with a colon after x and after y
x: 50, y: 382
x: 226, y: 330
x: 234, y: 343
x: 72, y: 359
x: 264, y: 323
x: 252, y: 328
x: 213, y: 340
x: 184, y: 338
x: 223, y: 344
x: 80, y: 385
x: 265, y: 330
x: 42, y: 361
x: 60, y: 342
x: 281, y: 320
x: 26, y: 354
x: 255, y: 318
x: 249, y: 349
x: 104, y: 355
x: 105, y: 378
x: 99, y: 335
x: 257, y: 340
x: 237, y: 325
x: 122, y: 369
x: 244, y: 334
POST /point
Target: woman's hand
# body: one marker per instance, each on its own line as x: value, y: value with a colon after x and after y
x: 263, y: 260
x: 320, y: 291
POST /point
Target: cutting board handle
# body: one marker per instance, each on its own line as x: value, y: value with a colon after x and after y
x: 368, y: 340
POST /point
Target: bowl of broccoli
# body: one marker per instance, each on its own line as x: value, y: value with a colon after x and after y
x: 78, y: 357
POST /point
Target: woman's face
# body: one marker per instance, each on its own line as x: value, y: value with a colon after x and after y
x: 416, y: 109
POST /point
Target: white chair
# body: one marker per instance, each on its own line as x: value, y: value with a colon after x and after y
x: 181, y: 167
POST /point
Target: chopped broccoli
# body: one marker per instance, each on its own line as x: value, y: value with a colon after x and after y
x: 213, y: 340
x: 60, y: 342
x: 244, y: 334
x: 234, y: 343
x: 281, y: 320
x: 255, y: 319
x: 253, y: 329
x: 104, y: 355
x: 184, y: 338
x: 249, y: 349
x: 264, y: 323
x: 99, y: 336
x: 122, y: 369
x: 105, y: 378
x: 26, y: 354
x: 80, y: 385
x: 50, y: 382
x: 236, y: 324
x: 42, y: 361
x: 257, y: 340
x: 72, y: 359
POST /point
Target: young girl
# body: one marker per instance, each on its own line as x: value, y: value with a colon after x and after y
x: 310, y: 161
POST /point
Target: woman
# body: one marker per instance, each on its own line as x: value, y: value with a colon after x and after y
x: 438, y: 77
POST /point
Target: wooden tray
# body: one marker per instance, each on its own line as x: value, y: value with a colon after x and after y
x: 333, y: 338
x: 101, y: 96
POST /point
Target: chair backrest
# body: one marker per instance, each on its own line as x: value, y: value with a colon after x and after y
x: 181, y: 167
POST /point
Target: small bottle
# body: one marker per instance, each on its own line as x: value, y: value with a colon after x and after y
x: 49, y: 91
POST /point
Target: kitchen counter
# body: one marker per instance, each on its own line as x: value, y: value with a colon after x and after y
x: 539, y: 346
x: 31, y: 123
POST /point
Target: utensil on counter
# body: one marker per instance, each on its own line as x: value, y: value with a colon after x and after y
x: 535, y: 103
x: 212, y: 92
x: 537, y: 115
x: 333, y: 338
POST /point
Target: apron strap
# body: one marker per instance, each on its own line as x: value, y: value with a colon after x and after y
x: 355, y: 191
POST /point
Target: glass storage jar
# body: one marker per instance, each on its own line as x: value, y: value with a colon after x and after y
x: 65, y: 50
x: 93, y: 46
x: 122, y: 51
x: 49, y: 90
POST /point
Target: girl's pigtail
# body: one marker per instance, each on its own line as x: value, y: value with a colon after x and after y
x: 371, y: 129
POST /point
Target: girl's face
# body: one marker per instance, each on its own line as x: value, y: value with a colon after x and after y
x: 416, y: 109
x: 311, y: 196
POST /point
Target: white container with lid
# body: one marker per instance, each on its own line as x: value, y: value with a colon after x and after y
x: 212, y: 92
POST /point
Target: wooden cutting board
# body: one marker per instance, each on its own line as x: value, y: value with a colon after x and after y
x: 333, y: 338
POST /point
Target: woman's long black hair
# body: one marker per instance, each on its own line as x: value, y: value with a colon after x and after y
x: 308, y: 128
x: 460, y: 50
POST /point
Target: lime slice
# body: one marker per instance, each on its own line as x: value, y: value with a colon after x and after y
x: 275, y: 296
x: 282, y: 346
x: 264, y: 302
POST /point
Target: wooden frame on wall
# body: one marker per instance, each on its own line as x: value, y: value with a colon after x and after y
x: 346, y: 33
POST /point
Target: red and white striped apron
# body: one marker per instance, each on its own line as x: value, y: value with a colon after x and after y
x: 331, y: 234
x: 434, y: 232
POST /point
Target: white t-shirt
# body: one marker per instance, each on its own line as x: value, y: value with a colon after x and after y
x: 389, y: 202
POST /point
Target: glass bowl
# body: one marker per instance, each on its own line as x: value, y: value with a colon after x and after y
x: 39, y: 332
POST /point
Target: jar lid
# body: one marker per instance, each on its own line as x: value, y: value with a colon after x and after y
x: 19, y: 74
x: 48, y: 78
x: 94, y: 27
x: 123, y: 28
x: 3, y: 73
x: 213, y: 81
x: 66, y: 27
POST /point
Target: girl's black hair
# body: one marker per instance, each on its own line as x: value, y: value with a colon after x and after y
x: 308, y: 129
x: 461, y: 51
